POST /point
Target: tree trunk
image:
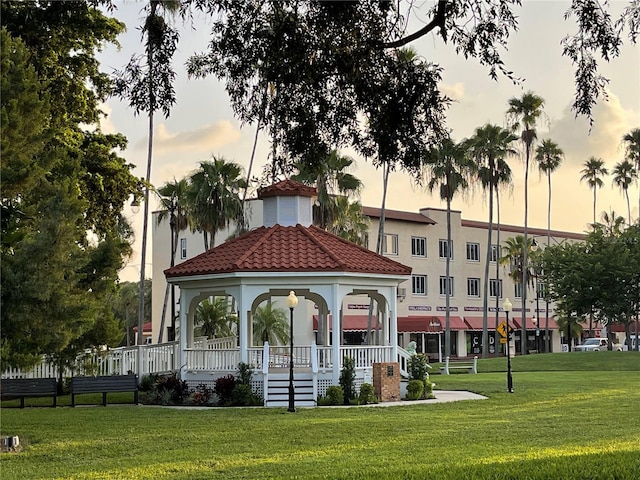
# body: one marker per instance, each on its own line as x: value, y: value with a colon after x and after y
x: 496, y: 334
x: 547, y: 345
x: 447, y: 317
x: 485, y: 300
x: 525, y: 285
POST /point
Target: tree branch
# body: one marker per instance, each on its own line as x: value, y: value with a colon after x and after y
x: 438, y: 21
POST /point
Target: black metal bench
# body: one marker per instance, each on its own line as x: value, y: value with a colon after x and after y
x: 29, y: 387
x: 104, y: 385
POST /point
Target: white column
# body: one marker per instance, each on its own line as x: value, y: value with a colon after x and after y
x: 243, y: 326
x: 184, y: 308
x: 335, y: 332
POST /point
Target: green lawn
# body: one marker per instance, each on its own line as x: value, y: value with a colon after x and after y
x: 571, y: 417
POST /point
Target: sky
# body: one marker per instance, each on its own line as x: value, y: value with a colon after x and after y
x: 202, y: 123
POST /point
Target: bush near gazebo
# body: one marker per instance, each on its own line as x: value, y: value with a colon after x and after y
x: 418, y: 367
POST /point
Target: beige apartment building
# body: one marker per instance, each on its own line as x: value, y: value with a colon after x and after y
x: 418, y: 240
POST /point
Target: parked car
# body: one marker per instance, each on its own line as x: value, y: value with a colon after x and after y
x: 596, y: 344
x: 633, y: 342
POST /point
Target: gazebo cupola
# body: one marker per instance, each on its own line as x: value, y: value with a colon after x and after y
x: 287, y: 203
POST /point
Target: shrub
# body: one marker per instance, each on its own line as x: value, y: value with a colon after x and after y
x: 415, y: 389
x: 335, y: 395
x: 224, y: 388
x: 428, y: 389
x: 201, y: 395
x: 366, y: 395
x: 418, y: 370
x: 148, y: 382
x: 171, y: 389
x: 242, y: 395
x: 348, y: 379
x: 245, y: 372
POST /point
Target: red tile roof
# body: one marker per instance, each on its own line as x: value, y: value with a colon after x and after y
x: 288, y: 249
x: 397, y: 215
x: 287, y: 188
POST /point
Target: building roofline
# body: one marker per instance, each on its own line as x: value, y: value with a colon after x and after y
x: 398, y: 215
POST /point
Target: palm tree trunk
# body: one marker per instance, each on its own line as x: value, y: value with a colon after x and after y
x: 546, y: 297
x: 485, y: 300
x: 626, y: 193
x: 594, y: 204
x: 447, y: 316
x: 523, y: 334
x: 497, y: 335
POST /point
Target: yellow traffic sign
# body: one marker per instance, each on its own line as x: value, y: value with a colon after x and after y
x: 503, y: 340
x: 502, y: 329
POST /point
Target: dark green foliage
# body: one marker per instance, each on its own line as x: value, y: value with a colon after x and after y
x: 245, y: 372
x: 243, y: 396
x: 148, y: 382
x: 333, y: 396
x: 224, y: 388
x: 63, y: 183
x: 348, y: 379
x: 366, y: 395
x: 418, y: 367
x: 415, y: 389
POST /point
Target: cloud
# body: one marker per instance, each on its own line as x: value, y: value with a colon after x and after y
x: 204, y: 139
x: 455, y: 92
x: 611, y: 122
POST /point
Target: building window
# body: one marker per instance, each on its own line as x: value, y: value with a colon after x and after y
x: 473, y: 287
x: 419, y: 284
x: 390, y: 244
x: 473, y: 252
x: 495, y: 288
x: 446, y: 283
x: 446, y: 250
x: 517, y: 292
x: 418, y: 246
x: 495, y: 253
x: 541, y: 292
x: 183, y: 248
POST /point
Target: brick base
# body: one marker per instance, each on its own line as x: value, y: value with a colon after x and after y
x: 386, y: 381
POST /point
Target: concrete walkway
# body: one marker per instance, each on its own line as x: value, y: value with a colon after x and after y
x: 442, y: 396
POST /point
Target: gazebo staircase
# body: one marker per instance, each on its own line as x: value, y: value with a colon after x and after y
x: 278, y: 388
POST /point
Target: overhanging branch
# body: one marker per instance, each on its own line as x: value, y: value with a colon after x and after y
x: 438, y: 21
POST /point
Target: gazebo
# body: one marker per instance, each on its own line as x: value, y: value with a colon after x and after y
x: 289, y: 253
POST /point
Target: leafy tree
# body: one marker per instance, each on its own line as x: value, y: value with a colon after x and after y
x: 450, y: 170
x: 349, y: 222
x: 270, y: 324
x: 124, y: 302
x: 212, y: 319
x: 600, y: 275
x: 489, y: 147
x: 631, y: 142
x: 624, y: 173
x: 549, y: 157
x: 592, y: 172
x: 64, y: 238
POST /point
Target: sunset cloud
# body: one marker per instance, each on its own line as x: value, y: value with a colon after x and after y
x: 207, y: 138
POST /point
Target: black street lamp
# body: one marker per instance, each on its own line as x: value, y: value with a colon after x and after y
x: 172, y: 207
x: 291, y: 301
x: 507, y: 306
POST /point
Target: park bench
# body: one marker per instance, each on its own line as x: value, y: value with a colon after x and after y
x: 29, y: 387
x: 104, y: 385
x: 471, y: 366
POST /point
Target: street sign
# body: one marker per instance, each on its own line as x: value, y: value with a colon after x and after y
x: 503, y: 340
x: 502, y: 329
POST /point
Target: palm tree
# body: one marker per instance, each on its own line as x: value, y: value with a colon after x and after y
x: 331, y: 178
x: 349, y: 222
x: 489, y: 147
x: 214, y: 197
x: 449, y: 169
x: 150, y: 89
x: 514, y: 258
x: 212, y: 319
x: 549, y: 157
x: 270, y: 324
x: 592, y: 172
x: 624, y: 173
x: 523, y: 114
x: 632, y: 153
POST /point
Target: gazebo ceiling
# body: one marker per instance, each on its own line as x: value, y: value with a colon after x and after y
x: 288, y: 249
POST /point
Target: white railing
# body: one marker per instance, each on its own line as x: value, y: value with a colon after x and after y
x: 403, y: 360
x: 201, y: 360
x: 366, y: 356
x: 279, y: 356
x: 225, y: 343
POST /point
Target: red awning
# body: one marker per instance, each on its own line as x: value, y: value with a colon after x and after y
x: 351, y: 323
x: 475, y: 323
x: 147, y: 327
x: 429, y: 324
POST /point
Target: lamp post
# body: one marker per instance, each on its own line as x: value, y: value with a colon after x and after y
x: 172, y: 206
x: 291, y: 302
x: 507, y: 306
x: 535, y: 324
